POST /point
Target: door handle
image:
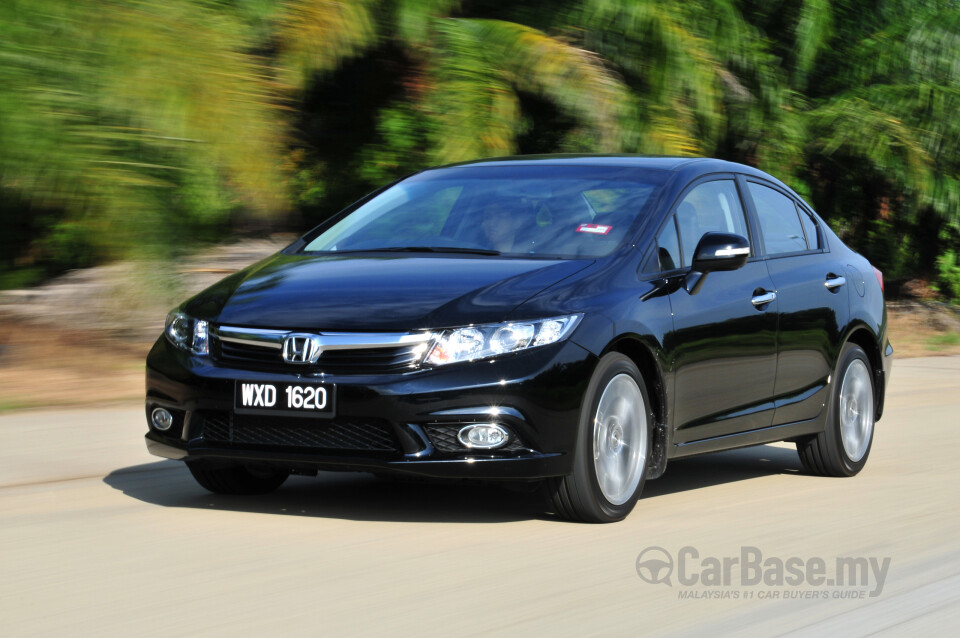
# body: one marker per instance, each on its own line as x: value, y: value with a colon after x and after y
x: 762, y: 299
x: 834, y: 281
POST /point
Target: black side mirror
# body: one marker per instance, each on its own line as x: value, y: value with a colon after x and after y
x: 720, y: 251
x: 716, y: 252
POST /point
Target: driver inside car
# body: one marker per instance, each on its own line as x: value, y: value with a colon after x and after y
x: 500, y: 227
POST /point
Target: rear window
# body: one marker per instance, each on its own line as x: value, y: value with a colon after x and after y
x: 779, y: 220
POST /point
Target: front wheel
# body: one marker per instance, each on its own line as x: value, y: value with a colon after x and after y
x: 613, y: 446
x: 842, y: 448
x: 237, y: 479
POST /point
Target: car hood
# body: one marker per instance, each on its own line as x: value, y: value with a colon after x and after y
x: 377, y: 293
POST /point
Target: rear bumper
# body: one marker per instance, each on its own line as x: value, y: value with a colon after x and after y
x: 535, y: 395
x: 883, y: 375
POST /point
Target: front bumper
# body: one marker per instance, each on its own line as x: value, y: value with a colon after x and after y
x: 536, y: 395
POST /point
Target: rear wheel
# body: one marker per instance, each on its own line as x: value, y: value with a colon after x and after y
x: 844, y: 445
x: 237, y: 479
x: 613, y: 446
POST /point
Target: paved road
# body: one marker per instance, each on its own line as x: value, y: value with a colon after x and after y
x: 99, y: 538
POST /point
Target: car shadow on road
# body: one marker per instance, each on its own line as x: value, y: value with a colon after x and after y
x: 343, y: 495
x: 696, y: 472
x: 360, y: 496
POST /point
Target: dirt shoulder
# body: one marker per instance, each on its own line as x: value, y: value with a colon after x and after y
x: 82, y: 338
x: 41, y: 367
x: 923, y: 329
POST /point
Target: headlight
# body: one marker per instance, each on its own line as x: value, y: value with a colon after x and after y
x: 491, y: 340
x: 187, y: 333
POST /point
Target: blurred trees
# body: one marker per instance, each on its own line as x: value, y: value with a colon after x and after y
x: 133, y: 126
x: 127, y: 125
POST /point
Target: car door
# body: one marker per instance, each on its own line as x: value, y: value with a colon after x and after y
x: 812, y: 300
x: 723, y: 348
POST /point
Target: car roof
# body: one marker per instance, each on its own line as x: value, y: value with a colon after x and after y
x: 690, y: 166
x: 661, y: 162
x: 564, y: 159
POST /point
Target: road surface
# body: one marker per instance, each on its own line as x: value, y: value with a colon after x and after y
x: 99, y: 538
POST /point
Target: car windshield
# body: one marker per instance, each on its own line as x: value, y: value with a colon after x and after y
x: 532, y: 211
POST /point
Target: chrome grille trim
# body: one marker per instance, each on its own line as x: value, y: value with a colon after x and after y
x: 251, y: 336
x: 265, y: 338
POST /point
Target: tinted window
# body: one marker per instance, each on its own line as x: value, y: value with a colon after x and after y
x: 668, y: 246
x: 548, y: 211
x: 711, y: 207
x: 810, y: 228
x: 612, y: 200
x: 416, y: 219
x: 779, y: 221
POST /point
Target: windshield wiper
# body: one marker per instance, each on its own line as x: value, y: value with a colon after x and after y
x: 432, y: 249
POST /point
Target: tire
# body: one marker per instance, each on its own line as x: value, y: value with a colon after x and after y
x: 613, y: 446
x: 237, y: 479
x: 844, y: 445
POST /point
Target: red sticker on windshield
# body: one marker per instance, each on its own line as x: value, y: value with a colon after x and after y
x: 596, y: 229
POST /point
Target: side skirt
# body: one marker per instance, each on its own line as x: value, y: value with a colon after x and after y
x: 761, y: 436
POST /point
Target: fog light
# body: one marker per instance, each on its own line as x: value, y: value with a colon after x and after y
x: 483, y: 435
x: 162, y: 419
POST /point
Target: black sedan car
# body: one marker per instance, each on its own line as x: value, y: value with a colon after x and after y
x: 573, y: 322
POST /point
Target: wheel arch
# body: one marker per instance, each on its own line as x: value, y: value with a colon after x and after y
x: 861, y: 335
x: 641, y: 352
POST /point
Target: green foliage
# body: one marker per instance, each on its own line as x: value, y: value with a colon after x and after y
x: 403, y: 134
x: 484, y: 63
x: 23, y: 277
x: 947, y: 339
x: 130, y: 126
x: 948, y: 264
x: 894, y: 252
x: 948, y: 267
x: 813, y: 31
x: 315, y: 35
x: 136, y: 121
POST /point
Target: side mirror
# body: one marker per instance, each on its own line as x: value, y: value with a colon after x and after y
x: 720, y: 251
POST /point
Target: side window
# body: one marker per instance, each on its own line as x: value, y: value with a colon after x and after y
x: 710, y: 207
x: 810, y: 228
x: 779, y: 220
x: 666, y: 250
x: 668, y: 246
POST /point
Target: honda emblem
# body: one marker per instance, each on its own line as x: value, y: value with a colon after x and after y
x: 302, y: 349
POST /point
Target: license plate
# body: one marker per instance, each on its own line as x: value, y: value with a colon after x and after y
x: 278, y: 397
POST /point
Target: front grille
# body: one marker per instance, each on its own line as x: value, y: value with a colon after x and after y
x: 370, y: 435
x: 444, y: 438
x: 371, y: 360
x: 361, y: 361
x: 236, y: 352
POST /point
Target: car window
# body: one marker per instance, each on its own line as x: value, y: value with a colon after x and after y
x: 613, y: 200
x: 532, y: 211
x: 415, y: 219
x: 668, y: 246
x: 810, y: 229
x: 710, y: 207
x: 779, y: 220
